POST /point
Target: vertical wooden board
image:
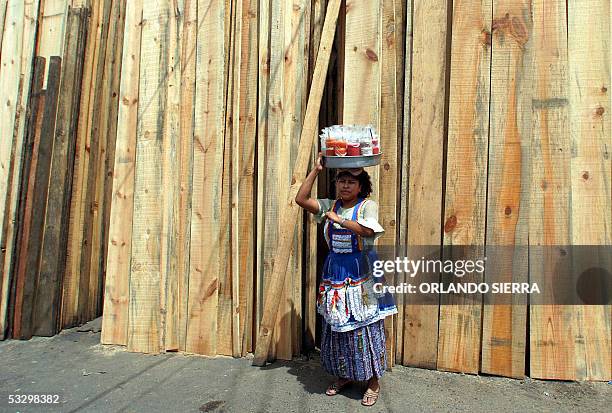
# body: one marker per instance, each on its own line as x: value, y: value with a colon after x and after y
x: 41, y: 188
x: 550, y: 327
x: 145, y: 323
x: 50, y: 40
x: 116, y: 292
x: 247, y: 145
x: 426, y: 165
x: 388, y: 141
x: 52, y: 260
x: 590, y: 132
x: 115, y: 40
x: 10, y: 73
x: 263, y: 81
x: 96, y: 124
x: 3, y: 7
x: 75, y: 279
x: 209, y: 121
x: 31, y: 138
x: 466, y: 179
x: 188, y: 77
x: 276, y: 147
x: 404, y: 158
x: 504, y: 325
x: 361, y: 105
x: 170, y: 179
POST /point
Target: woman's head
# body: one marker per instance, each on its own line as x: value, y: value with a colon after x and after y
x: 352, y: 184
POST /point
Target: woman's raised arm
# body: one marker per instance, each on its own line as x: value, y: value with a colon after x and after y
x: 303, y: 198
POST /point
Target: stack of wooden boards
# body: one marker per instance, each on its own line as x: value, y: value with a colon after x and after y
x: 495, y: 127
x: 60, y: 65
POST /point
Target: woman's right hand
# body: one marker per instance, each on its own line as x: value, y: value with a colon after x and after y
x: 319, y: 165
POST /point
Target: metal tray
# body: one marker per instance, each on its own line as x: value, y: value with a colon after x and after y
x: 351, y: 161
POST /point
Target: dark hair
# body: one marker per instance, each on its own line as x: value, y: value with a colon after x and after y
x: 364, y: 181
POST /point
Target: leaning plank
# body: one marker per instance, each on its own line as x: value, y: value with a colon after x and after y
x: 144, y: 323
x: 51, y: 30
x: 504, y: 324
x: 551, y: 351
x: 247, y: 93
x: 388, y: 141
x: 31, y: 145
x: 188, y: 76
x: 116, y: 293
x: 425, y: 174
x: 289, y: 210
x: 591, y: 139
x: 31, y: 294
x: 53, y: 252
x: 209, y: 123
x: 169, y: 282
x: 466, y: 179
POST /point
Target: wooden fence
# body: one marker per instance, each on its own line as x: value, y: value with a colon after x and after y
x: 495, y: 124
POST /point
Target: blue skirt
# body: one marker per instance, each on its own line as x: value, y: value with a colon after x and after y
x: 357, y: 355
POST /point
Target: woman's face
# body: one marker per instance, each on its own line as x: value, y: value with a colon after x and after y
x: 348, y: 188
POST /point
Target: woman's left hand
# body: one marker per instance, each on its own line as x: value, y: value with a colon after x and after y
x: 333, y: 216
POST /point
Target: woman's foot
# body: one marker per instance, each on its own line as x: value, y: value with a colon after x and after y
x: 371, y: 394
x: 336, y: 386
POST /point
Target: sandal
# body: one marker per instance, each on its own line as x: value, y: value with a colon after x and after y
x: 336, y: 386
x: 370, y: 395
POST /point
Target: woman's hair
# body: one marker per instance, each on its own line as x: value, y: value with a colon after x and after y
x: 364, y: 181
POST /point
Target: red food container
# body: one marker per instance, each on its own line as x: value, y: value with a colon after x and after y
x: 340, y: 148
x: 375, y: 150
x: 353, y: 149
x: 330, y: 147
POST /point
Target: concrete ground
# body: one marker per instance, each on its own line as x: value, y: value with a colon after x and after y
x: 90, y: 377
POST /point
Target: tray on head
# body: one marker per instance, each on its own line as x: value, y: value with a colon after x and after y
x: 350, y: 161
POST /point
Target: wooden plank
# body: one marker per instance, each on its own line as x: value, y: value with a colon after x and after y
x: 591, y: 134
x: 466, y: 180
x: 209, y: 121
x: 41, y: 187
x: 76, y: 281
x: 169, y: 282
x: 116, y: 293
x: 188, y: 78
x: 388, y: 141
x: 504, y: 325
x: 362, y: 66
x: 96, y: 128
x: 289, y: 210
x: 263, y: 91
x: 550, y: 327
x: 247, y: 89
x: 52, y: 22
x: 144, y: 323
x: 404, y: 173
x: 32, y: 140
x: 53, y: 258
x: 3, y: 7
x: 115, y: 39
x: 425, y: 175
x: 10, y: 72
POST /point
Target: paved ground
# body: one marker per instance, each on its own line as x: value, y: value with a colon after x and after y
x: 91, y: 377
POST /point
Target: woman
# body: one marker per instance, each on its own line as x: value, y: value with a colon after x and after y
x: 353, y: 336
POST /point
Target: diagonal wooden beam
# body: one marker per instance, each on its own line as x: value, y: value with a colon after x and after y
x: 289, y: 212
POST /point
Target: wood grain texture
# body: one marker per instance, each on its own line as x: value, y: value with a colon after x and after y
x: 426, y: 170
x: 209, y: 123
x: 52, y: 25
x: 590, y: 133
x: 116, y: 293
x: 550, y: 326
x: 145, y: 323
x: 466, y: 179
x: 504, y: 325
x: 54, y: 245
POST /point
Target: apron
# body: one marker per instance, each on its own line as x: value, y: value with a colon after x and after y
x: 346, y: 298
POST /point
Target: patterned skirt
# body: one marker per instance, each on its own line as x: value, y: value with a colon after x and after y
x: 357, y: 355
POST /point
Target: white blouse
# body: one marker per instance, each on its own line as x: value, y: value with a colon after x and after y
x: 367, y: 216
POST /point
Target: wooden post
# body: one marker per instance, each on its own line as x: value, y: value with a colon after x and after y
x: 289, y: 214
